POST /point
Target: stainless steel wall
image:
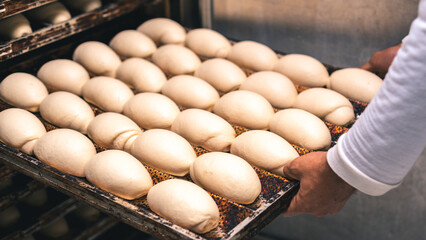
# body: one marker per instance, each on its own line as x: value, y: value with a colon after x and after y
x: 342, y: 33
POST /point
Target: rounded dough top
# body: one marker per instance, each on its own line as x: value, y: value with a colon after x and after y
x: 222, y: 74
x: 163, y: 31
x: 132, y: 43
x: 20, y: 129
x: 253, y: 56
x: 83, y: 5
x: 107, y: 93
x: 63, y: 75
x: 273, y: 86
x: 97, y: 57
x: 51, y: 13
x: 226, y: 175
x: 185, y: 204
x: 208, y: 43
x: 151, y: 110
x: 190, y: 92
x: 142, y: 75
x: 303, y: 70
x: 23, y: 90
x: 15, y: 26
x: 176, y: 59
x: 245, y: 108
x: 355, y: 83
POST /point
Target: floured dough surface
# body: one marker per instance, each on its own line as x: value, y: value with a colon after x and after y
x: 163, y: 31
x: 51, y: 13
x: 207, y: 43
x: 132, y: 43
x: 190, y: 92
x: 23, y: 90
x: 151, y: 110
x: 176, y: 59
x: 264, y: 149
x: 205, y: 129
x: 119, y: 173
x: 185, y: 204
x: 15, y: 26
x: 20, y: 129
x: 245, y: 108
x: 226, y: 175
x: 252, y: 56
x: 301, y: 128
x: 164, y: 150
x: 66, y: 150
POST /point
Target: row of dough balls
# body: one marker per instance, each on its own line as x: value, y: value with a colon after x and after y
x: 17, y: 25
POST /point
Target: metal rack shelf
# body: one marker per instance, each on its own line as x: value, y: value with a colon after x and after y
x: 11, y: 7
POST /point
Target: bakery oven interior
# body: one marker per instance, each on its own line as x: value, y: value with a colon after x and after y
x: 39, y: 202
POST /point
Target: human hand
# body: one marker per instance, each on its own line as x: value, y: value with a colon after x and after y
x: 380, y: 61
x: 321, y: 190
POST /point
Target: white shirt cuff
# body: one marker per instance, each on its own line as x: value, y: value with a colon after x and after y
x: 344, y: 168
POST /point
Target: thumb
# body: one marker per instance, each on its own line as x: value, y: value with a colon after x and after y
x: 367, y: 66
x: 291, y: 171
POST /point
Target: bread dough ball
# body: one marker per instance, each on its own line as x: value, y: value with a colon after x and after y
x: 107, y: 93
x: 222, y: 74
x: 326, y: 104
x: 66, y: 110
x: 51, y: 13
x: 14, y: 26
x: 207, y: 43
x: 252, y: 56
x: 301, y: 128
x: 185, y: 204
x: 132, y: 43
x: 303, y: 70
x: 9, y: 217
x: 37, y: 198
x: 151, y: 110
x: 190, y: 92
x: 66, y: 150
x: 165, y: 151
x: 355, y: 83
x: 63, y: 75
x: 264, y: 149
x: 163, y: 31
x: 119, y: 173
x: 113, y: 130
x: 20, y: 129
x: 86, y: 212
x: 56, y: 229
x: 176, y: 60
x: 83, y: 5
x: 23, y: 90
x: 275, y: 87
x: 226, y: 175
x: 205, y: 129
x: 245, y: 108
x: 142, y: 75
x: 97, y: 57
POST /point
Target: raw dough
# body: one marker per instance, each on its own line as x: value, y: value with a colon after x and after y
x: 226, y: 175
x: 355, y: 83
x: 301, y: 128
x: 205, y: 129
x: 275, y: 87
x: 119, y: 173
x: 245, y: 108
x: 222, y: 74
x: 142, y: 75
x: 55, y: 229
x: 253, y: 56
x: 66, y: 150
x: 176, y: 59
x: 9, y: 217
x: 51, y: 13
x: 264, y: 149
x: 23, y: 90
x: 83, y: 5
x: 185, y: 204
x: 163, y: 31
x: 190, y: 92
x: 14, y: 26
x: 326, y: 104
x: 164, y: 150
x: 37, y: 198
x: 151, y: 110
x: 66, y: 110
x: 132, y: 43
x: 303, y: 70
x: 20, y: 129
x: 113, y: 130
x: 63, y: 75
x: 107, y: 93
x: 97, y: 57
x: 208, y: 43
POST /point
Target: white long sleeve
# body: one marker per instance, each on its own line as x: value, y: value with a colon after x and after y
x: 382, y: 146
